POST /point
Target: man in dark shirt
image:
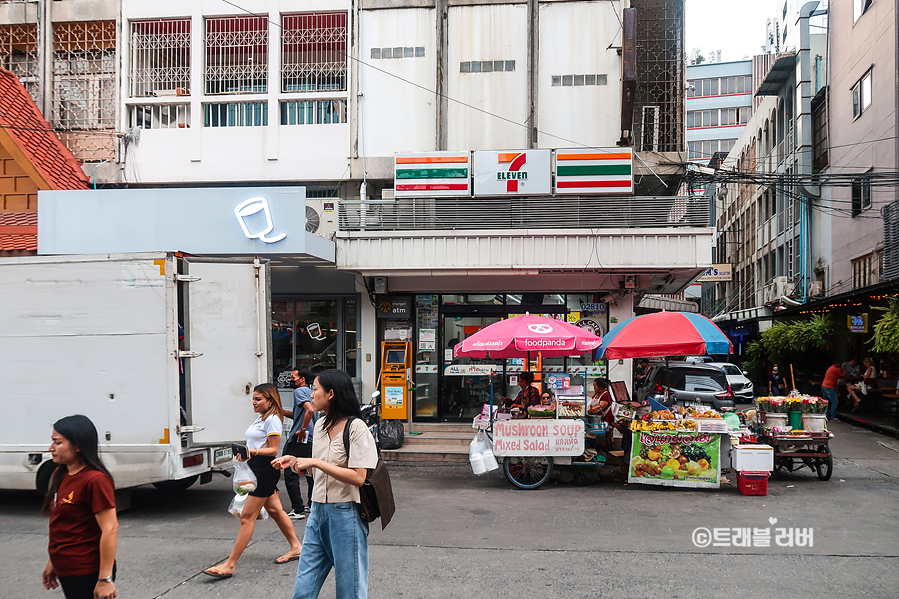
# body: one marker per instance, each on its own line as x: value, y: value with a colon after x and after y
x: 640, y: 373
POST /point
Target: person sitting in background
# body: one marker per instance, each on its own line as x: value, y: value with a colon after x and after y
x: 869, y: 380
x: 547, y: 398
x: 640, y: 373
x: 528, y: 396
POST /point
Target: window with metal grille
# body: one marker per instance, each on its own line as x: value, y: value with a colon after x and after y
x: 314, y: 52
x: 84, y: 75
x: 236, y: 114
x: 160, y: 57
x: 861, y: 195
x: 159, y: 116
x: 236, y: 55
x: 18, y: 53
x: 313, y: 112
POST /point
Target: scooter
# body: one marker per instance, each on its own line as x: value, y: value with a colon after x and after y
x: 372, y: 419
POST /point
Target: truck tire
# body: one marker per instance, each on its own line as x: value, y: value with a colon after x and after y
x: 42, y: 479
x: 175, y: 486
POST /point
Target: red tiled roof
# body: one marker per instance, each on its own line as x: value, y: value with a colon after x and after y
x: 18, y: 231
x: 20, y: 117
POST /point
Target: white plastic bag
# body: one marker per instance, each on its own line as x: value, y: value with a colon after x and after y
x: 475, y: 457
x: 489, y: 459
x: 236, y: 507
x: 244, y: 479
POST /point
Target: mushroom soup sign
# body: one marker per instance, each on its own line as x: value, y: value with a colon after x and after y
x: 538, y: 437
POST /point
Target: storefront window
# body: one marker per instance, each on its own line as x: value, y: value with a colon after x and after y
x: 493, y: 299
x: 427, y: 356
x: 316, y: 334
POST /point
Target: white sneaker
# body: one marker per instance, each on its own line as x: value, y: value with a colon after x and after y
x: 295, y: 516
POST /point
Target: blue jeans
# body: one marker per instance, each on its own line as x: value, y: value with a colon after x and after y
x: 831, y: 396
x: 335, y: 537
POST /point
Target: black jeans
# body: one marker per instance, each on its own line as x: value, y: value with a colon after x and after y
x: 292, y: 479
x: 81, y: 587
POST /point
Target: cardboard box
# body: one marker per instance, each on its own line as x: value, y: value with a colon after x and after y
x: 752, y: 458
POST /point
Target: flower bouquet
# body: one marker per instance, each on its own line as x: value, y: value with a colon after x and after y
x: 814, y: 405
x: 778, y: 405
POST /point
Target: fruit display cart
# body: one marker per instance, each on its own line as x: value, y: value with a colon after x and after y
x: 799, y: 450
x: 678, y: 447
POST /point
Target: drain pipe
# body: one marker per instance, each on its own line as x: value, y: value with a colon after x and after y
x: 94, y: 172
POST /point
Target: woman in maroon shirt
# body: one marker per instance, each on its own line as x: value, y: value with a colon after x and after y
x: 83, y: 524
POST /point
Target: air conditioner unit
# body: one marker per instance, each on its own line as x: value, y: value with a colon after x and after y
x: 321, y: 216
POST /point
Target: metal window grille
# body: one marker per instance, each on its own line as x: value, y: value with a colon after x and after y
x: 18, y: 53
x: 84, y: 75
x: 236, y: 114
x: 660, y: 69
x: 160, y: 57
x: 160, y: 116
x: 313, y: 112
x: 236, y: 55
x: 314, y: 52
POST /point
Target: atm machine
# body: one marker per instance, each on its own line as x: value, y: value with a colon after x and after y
x: 396, y: 378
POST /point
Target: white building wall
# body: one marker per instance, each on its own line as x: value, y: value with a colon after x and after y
x: 491, y: 32
x: 397, y: 116
x: 574, y: 40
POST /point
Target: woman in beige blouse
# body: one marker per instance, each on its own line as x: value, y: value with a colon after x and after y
x: 336, y: 536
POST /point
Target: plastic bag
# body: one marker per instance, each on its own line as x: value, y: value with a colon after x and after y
x: 391, y: 434
x: 475, y: 454
x: 489, y: 459
x: 244, y: 479
x: 236, y: 507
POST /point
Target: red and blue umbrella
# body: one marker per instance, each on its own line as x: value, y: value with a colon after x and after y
x: 663, y: 334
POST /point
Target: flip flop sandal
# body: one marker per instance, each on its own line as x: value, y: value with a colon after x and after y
x: 291, y: 558
x: 217, y: 575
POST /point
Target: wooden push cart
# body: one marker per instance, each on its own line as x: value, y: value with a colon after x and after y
x: 794, y: 452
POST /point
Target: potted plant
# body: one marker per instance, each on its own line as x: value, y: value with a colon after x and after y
x: 813, y: 414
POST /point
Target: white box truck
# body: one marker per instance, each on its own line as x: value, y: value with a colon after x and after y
x: 161, y: 351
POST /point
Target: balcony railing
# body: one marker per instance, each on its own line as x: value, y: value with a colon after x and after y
x: 524, y: 213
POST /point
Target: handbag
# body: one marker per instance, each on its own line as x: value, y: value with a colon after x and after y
x: 375, y: 494
x: 862, y: 386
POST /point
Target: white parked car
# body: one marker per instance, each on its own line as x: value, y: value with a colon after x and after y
x: 741, y: 386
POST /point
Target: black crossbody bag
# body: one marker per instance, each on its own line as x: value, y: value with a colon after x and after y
x: 376, y: 494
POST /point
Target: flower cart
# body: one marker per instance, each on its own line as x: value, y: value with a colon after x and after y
x: 794, y: 449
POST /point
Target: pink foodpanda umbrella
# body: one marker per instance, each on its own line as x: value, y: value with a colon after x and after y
x: 526, y: 334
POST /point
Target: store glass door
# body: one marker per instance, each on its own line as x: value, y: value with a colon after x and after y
x: 461, y: 393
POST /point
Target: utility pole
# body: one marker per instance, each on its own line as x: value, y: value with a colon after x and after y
x: 45, y: 58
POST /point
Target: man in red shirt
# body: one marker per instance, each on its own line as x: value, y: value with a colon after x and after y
x: 829, y: 388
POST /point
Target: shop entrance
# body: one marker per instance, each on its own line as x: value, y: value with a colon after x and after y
x: 449, y: 389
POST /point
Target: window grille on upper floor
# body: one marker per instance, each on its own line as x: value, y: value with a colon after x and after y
x: 84, y: 69
x: 236, y: 114
x: 313, y: 112
x: 18, y: 53
x: 160, y: 57
x: 314, y: 52
x: 159, y: 116
x: 236, y: 55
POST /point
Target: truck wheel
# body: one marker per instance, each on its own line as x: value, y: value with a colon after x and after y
x: 174, y: 486
x: 42, y: 480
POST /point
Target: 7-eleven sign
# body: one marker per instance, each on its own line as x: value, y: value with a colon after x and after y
x: 523, y: 172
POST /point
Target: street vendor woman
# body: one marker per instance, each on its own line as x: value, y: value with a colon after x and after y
x: 601, y: 402
x: 528, y: 396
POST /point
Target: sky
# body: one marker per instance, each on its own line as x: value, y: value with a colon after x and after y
x: 736, y: 27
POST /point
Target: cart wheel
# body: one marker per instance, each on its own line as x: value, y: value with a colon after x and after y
x: 825, y: 465
x: 528, y: 472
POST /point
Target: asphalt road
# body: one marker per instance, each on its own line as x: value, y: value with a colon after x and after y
x: 457, y: 535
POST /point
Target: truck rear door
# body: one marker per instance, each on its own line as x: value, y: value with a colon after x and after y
x: 227, y: 321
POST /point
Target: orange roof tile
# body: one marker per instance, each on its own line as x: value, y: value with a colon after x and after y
x: 21, y: 119
x: 18, y: 231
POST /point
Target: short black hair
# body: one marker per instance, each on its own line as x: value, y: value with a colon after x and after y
x: 644, y: 361
x: 305, y: 374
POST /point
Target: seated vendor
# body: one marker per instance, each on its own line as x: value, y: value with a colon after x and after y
x: 528, y: 396
x: 548, y: 399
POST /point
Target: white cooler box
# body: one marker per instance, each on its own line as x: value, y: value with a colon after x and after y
x: 752, y: 458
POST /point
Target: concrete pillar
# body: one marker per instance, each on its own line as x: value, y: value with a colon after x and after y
x: 368, y: 335
x: 622, y: 370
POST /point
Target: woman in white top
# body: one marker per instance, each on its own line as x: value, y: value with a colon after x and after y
x: 263, y: 441
x: 868, y: 380
x: 336, y: 536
